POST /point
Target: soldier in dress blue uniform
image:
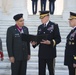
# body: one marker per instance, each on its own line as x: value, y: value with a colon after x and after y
x: 70, y: 49
x: 34, y: 6
x: 52, y: 6
x: 18, y: 51
x: 1, y: 50
x: 47, y: 47
x: 43, y: 5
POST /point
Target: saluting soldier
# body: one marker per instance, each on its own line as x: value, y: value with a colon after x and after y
x: 47, y: 47
x: 1, y: 51
x: 18, y: 51
x: 70, y: 49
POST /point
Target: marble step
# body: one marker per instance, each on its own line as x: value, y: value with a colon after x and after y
x: 34, y: 58
x: 33, y: 23
x: 31, y: 29
x: 3, y: 30
x: 35, y: 53
x: 52, y: 16
x: 63, y: 38
x: 34, y: 72
x: 33, y: 32
x: 63, y: 35
x: 60, y: 48
x: 32, y: 65
x: 33, y: 20
x: 35, y: 29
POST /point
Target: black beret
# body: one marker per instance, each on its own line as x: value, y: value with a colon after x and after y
x: 72, y: 15
x: 43, y: 14
x: 17, y: 17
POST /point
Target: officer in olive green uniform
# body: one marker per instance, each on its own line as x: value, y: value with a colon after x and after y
x: 70, y: 49
x: 18, y: 50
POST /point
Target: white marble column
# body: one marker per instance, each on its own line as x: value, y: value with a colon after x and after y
x: 18, y: 6
x: 69, y: 6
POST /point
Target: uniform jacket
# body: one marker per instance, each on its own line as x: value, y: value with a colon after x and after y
x: 49, y: 51
x: 15, y: 46
x: 70, y: 49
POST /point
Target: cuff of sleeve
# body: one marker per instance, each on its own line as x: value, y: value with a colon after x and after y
x: 54, y: 42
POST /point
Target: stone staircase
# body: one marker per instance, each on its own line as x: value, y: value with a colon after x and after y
x: 32, y: 24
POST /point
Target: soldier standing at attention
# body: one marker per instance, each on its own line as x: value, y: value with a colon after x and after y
x: 70, y: 49
x: 1, y: 51
x: 43, y: 5
x: 47, y: 48
x: 52, y: 6
x: 34, y: 6
x: 18, y: 50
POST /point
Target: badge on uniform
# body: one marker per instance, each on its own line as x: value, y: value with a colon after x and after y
x: 51, y: 28
x: 17, y: 35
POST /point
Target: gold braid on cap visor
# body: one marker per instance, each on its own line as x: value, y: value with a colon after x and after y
x: 72, y: 17
x: 42, y: 16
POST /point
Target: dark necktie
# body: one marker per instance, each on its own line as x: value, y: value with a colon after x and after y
x: 44, y: 25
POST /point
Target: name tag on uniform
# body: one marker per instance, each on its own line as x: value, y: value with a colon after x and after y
x: 17, y: 35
